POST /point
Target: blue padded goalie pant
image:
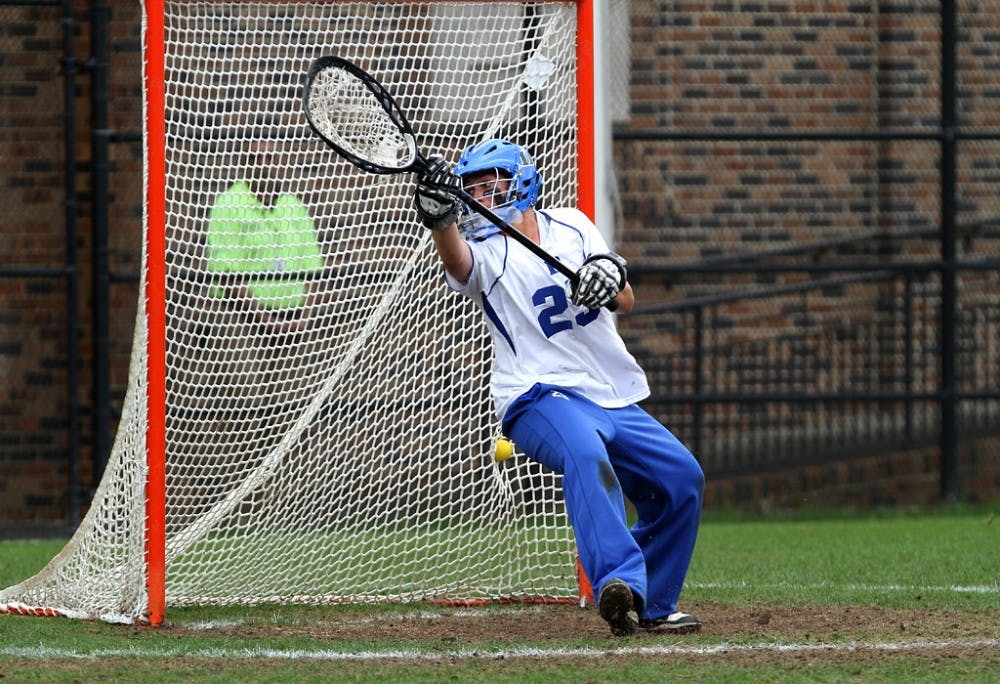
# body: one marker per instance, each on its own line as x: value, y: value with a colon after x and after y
x: 601, y: 454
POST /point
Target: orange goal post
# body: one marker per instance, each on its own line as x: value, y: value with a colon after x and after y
x: 335, y: 443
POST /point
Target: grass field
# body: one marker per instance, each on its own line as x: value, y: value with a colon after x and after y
x: 834, y: 597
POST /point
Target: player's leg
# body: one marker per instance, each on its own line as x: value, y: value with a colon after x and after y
x: 566, y: 434
x: 665, y: 483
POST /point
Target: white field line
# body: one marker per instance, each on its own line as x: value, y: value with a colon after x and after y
x: 957, y: 589
x: 725, y: 649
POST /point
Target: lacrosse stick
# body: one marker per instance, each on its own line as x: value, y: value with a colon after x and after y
x: 356, y: 116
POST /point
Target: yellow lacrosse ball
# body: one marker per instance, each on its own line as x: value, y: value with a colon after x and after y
x: 504, y: 449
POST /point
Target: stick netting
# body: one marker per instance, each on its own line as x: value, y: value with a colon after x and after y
x: 334, y: 443
x: 347, y: 113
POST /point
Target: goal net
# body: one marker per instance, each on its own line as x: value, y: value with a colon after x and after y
x: 314, y: 396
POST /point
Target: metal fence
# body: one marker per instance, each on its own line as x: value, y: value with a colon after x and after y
x: 839, y: 365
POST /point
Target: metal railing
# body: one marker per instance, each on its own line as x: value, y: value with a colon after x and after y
x: 840, y: 365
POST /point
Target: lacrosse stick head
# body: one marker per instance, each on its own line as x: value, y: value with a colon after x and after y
x: 355, y: 115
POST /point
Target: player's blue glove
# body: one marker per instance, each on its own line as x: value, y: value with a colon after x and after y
x: 434, y: 197
x: 600, y: 279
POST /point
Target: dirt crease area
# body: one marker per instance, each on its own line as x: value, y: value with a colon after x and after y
x: 749, y: 633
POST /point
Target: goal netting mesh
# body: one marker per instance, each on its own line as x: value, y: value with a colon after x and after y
x: 328, y: 425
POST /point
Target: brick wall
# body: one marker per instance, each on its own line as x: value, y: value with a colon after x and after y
x: 34, y: 401
x: 706, y: 65
x: 715, y: 68
x: 781, y: 67
x: 33, y: 338
x: 125, y: 231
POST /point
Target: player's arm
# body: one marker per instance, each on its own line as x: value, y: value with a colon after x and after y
x: 454, y: 252
x: 439, y: 209
x: 625, y: 299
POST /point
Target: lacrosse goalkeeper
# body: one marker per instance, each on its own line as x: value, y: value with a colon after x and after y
x: 563, y: 383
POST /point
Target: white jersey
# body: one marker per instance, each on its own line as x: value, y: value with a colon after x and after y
x: 539, y: 335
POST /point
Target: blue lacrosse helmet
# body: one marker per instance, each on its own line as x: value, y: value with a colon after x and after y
x: 511, y: 161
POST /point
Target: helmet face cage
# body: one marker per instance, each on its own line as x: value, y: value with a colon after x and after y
x: 511, y: 163
x: 495, y: 185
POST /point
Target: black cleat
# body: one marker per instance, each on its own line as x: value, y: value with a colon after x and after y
x: 617, y: 607
x: 675, y: 623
